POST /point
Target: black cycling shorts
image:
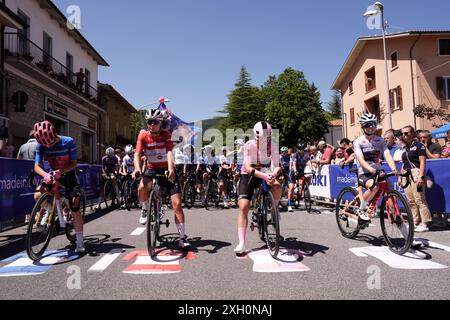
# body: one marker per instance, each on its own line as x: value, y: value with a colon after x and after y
x: 247, y: 188
x: 170, y: 188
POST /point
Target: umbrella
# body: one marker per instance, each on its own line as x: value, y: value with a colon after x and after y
x: 441, y: 132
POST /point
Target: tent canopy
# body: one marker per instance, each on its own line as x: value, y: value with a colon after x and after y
x: 441, y: 132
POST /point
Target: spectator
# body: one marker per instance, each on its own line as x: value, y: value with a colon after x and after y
x: 414, y: 159
x: 340, y: 158
x: 326, y: 151
x: 3, y: 141
x: 314, y: 156
x: 446, y: 150
x: 80, y: 80
x: 389, y: 138
x: 433, y: 149
x: 28, y: 150
x: 349, y: 154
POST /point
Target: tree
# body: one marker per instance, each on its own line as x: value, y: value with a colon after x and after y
x: 441, y: 115
x: 294, y: 108
x: 335, y: 105
x: 138, y: 121
x: 244, y: 107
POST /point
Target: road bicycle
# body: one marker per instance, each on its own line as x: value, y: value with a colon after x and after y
x: 51, y: 214
x: 396, y: 219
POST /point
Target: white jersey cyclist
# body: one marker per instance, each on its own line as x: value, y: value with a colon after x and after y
x: 372, y: 152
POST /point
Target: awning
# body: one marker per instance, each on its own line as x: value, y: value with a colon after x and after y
x: 442, y: 132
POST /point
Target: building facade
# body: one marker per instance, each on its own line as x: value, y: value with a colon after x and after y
x: 116, y: 128
x: 419, y: 74
x: 42, y: 78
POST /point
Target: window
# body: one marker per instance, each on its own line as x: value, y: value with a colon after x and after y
x: 350, y: 87
x: 396, y: 99
x: 48, y: 48
x: 69, y: 65
x: 394, y: 60
x: 447, y: 88
x: 24, y: 34
x: 370, y: 80
x: 443, y: 88
x: 352, y: 116
x: 444, y: 47
x: 87, y: 148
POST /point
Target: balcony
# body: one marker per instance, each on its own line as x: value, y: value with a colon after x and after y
x: 370, y: 80
x: 26, y: 56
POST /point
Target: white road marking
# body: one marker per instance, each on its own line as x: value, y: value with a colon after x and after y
x: 138, y: 231
x: 105, y: 261
x: 412, y: 260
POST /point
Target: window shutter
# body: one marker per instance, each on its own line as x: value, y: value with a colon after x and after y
x: 391, y: 99
x: 440, y: 88
x: 400, y: 98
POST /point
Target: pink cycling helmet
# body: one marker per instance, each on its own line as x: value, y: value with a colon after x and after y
x: 45, y: 133
x: 262, y: 130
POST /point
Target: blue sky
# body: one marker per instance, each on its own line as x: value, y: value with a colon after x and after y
x: 191, y: 50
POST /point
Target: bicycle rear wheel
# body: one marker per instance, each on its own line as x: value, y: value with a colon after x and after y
x: 70, y: 230
x: 108, y: 194
x: 347, y: 205
x: 397, y: 223
x: 40, y: 227
x: 189, y: 194
x: 307, y: 197
x: 271, y: 224
x: 153, y: 224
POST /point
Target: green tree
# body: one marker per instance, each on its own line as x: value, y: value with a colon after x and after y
x: 294, y: 107
x: 244, y: 107
x: 138, y: 121
x: 335, y: 105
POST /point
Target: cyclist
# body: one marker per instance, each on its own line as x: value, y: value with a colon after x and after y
x: 368, y: 150
x: 238, y: 157
x: 61, y: 154
x: 299, y: 161
x: 157, y: 145
x: 258, y: 166
x: 127, y: 167
x: 110, y: 170
x: 285, y: 159
x: 226, y: 163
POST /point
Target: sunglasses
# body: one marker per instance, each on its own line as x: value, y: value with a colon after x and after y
x: 153, y: 122
x: 406, y: 134
x: 369, y: 125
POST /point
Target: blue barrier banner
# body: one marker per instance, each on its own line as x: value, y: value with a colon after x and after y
x: 16, y: 195
x: 438, y: 196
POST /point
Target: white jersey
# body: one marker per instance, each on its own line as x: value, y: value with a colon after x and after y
x: 179, y: 157
x: 370, y: 150
x: 190, y: 160
x: 225, y: 160
x: 128, y: 163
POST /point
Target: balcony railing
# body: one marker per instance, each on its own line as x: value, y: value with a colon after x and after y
x: 19, y: 46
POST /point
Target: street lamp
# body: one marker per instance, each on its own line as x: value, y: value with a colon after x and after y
x: 377, y: 9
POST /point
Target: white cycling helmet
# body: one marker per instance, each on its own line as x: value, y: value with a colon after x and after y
x: 262, y: 130
x: 284, y: 149
x: 156, y: 114
x: 110, y: 152
x: 239, y: 142
x: 368, y: 118
x: 129, y: 149
x: 187, y: 147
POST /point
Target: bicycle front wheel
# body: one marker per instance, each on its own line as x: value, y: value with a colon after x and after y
x: 153, y: 224
x: 397, y: 223
x: 272, y: 224
x: 347, y: 205
x: 307, y: 198
x: 108, y: 194
x: 40, y: 227
x: 189, y: 194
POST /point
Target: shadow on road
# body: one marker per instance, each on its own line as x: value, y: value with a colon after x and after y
x: 308, y: 249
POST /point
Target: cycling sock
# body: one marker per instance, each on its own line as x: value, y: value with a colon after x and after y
x: 181, y: 230
x: 144, y: 205
x: 363, y: 205
x: 80, y: 237
x: 242, y: 232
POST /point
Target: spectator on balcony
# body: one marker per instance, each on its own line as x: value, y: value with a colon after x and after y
x: 433, y: 149
x: 28, y: 150
x: 80, y: 80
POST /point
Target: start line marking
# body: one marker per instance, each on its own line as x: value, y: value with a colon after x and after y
x: 287, y: 261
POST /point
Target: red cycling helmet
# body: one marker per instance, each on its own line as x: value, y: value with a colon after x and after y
x: 45, y: 133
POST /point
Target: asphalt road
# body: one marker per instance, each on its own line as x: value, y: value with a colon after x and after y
x: 317, y: 265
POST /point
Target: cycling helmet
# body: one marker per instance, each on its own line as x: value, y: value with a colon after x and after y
x: 110, y: 152
x: 262, y: 130
x: 301, y: 146
x: 187, y: 147
x: 239, y: 142
x: 368, y: 118
x: 45, y: 133
x: 284, y: 149
x: 129, y: 149
x: 156, y: 114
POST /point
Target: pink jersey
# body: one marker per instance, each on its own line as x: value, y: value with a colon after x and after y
x: 258, y: 158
